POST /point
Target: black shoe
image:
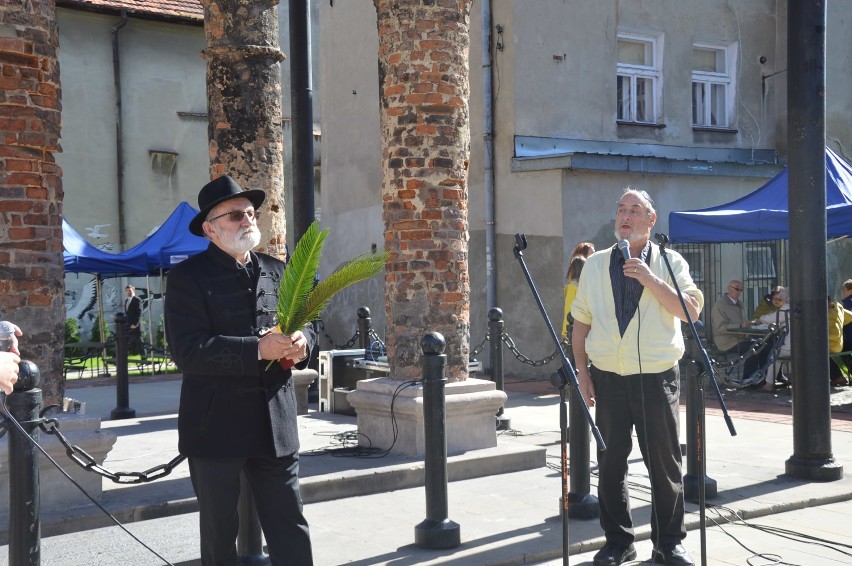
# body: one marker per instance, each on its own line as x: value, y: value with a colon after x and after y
x: 613, y: 554
x: 782, y: 379
x: 673, y: 555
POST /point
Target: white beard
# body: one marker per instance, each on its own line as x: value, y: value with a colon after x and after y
x: 238, y: 243
x: 631, y: 237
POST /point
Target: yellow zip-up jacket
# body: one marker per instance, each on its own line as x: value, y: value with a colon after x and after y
x: 652, y: 342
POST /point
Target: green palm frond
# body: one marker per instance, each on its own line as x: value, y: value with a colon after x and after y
x: 298, y: 280
x: 357, y: 269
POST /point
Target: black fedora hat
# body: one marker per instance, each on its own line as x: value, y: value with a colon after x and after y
x: 218, y: 191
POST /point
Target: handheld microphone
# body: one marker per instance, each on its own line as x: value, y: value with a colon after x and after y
x: 624, y: 246
x: 7, y: 332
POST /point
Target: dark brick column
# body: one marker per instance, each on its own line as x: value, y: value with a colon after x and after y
x: 244, y: 104
x: 32, y: 287
x: 424, y: 89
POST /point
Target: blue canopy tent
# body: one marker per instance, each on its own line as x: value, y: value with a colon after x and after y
x: 172, y: 242
x: 82, y: 257
x: 762, y: 214
x: 166, y: 247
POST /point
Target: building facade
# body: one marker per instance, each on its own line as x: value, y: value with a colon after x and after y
x: 686, y: 100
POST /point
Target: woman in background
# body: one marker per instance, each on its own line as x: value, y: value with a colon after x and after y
x: 780, y: 316
x: 572, y: 277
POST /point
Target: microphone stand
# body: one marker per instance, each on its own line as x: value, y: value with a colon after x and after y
x: 663, y: 240
x: 562, y: 378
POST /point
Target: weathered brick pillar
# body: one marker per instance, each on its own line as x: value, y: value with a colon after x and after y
x: 32, y: 285
x: 244, y: 104
x: 424, y: 89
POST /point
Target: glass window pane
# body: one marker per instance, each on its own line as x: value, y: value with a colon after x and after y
x: 644, y: 99
x: 704, y: 60
x: 698, y: 104
x: 718, y: 114
x: 623, y: 94
x: 633, y: 52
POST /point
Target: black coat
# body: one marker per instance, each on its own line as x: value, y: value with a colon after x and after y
x: 134, y: 310
x: 230, y: 405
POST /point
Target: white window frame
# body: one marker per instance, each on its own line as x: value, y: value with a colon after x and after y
x: 631, y: 74
x: 706, y: 81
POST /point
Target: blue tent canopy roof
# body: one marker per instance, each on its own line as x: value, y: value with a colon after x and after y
x: 172, y: 242
x: 762, y: 214
x: 82, y: 257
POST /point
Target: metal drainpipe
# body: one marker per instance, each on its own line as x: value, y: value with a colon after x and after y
x: 301, y: 109
x: 488, y: 151
x: 119, y: 147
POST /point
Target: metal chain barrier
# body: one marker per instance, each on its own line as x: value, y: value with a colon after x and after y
x: 753, y: 351
x: 476, y: 351
x: 507, y: 340
x: 87, y: 462
x: 351, y: 342
x: 375, y: 339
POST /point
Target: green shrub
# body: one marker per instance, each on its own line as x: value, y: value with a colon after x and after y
x: 72, y: 335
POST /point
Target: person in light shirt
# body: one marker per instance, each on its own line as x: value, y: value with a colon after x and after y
x: 627, y: 342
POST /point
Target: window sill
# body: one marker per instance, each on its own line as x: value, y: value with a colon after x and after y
x: 642, y: 124
x: 712, y: 129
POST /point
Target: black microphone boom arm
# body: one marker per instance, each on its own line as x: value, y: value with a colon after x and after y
x: 567, y: 370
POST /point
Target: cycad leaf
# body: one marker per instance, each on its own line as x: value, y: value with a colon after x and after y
x: 299, y: 279
x: 357, y: 269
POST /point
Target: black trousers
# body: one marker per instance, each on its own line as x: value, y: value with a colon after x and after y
x: 274, y: 483
x: 649, y: 404
x: 134, y: 342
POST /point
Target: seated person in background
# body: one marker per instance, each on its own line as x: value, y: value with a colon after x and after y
x: 781, y: 303
x: 838, y: 317
x: 765, y: 306
x: 847, y: 304
x: 727, y: 312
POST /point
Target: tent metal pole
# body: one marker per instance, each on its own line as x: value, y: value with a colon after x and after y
x: 102, y: 328
x: 150, y: 322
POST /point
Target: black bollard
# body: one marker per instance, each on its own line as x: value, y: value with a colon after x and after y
x: 122, y: 386
x: 24, y: 497
x: 581, y: 503
x: 364, y: 331
x: 249, y: 535
x: 495, y: 333
x: 437, y: 530
x: 696, y: 442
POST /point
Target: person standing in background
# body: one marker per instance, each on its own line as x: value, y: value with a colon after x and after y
x: 133, y: 310
x: 575, y: 266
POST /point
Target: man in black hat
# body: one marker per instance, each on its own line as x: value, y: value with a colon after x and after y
x: 235, y: 414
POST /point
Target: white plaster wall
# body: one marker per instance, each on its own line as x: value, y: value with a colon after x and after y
x: 350, y: 201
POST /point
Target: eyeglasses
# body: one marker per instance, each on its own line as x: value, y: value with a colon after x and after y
x: 237, y: 215
x: 738, y: 289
